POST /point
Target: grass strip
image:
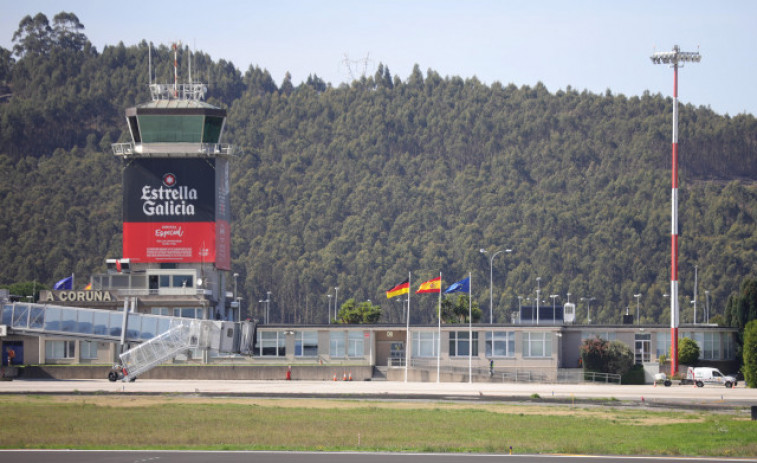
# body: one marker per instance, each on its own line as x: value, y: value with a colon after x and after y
x: 176, y: 422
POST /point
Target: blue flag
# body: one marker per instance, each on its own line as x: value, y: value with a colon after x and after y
x: 462, y: 286
x: 66, y: 283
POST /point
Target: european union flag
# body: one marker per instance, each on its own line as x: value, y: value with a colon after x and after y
x: 66, y: 283
x: 462, y: 286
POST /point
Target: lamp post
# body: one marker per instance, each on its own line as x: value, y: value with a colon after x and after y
x: 588, y: 308
x: 695, y: 292
x: 329, y: 317
x: 673, y: 58
x: 638, y: 318
x: 267, y: 306
x: 265, y: 317
x: 239, y: 310
x: 538, y: 290
x: 336, y: 298
x: 554, y: 315
x: 707, y: 305
x: 491, y: 281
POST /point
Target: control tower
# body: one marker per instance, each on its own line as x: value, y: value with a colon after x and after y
x: 176, y: 230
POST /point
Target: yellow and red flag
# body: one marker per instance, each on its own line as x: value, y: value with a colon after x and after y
x: 431, y: 286
x: 400, y: 289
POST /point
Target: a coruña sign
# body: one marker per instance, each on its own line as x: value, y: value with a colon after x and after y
x: 77, y: 296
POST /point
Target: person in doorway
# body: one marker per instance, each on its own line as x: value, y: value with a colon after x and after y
x: 11, y: 357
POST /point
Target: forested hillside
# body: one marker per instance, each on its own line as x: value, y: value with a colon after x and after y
x: 357, y: 185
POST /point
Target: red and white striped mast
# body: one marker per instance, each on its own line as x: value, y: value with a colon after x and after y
x: 673, y: 58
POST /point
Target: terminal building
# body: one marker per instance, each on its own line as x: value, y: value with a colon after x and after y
x: 176, y: 265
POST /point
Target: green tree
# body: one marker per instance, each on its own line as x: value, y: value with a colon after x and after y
x: 67, y: 31
x: 25, y: 289
x: 594, y: 354
x: 456, y: 309
x: 688, y: 351
x: 352, y: 313
x: 601, y: 356
x: 750, y: 354
x: 620, y: 358
x: 33, y: 36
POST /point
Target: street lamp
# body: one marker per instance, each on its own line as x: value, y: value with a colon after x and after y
x: 538, y: 290
x: 554, y: 314
x: 336, y: 298
x: 588, y: 308
x: 491, y: 281
x: 673, y: 58
x: 239, y: 310
x: 329, y: 317
x: 265, y: 317
x: 638, y: 318
x: 707, y: 305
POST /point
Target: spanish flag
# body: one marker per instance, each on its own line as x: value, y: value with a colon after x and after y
x: 88, y: 287
x: 431, y: 286
x: 400, y: 289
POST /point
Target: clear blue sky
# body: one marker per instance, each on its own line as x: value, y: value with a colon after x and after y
x: 588, y: 45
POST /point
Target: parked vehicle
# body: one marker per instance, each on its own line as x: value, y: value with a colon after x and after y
x: 700, y: 376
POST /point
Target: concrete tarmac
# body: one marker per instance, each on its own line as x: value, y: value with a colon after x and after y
x: 713, y: 396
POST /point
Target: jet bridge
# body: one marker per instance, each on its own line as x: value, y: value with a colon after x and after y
x: 160, y: 338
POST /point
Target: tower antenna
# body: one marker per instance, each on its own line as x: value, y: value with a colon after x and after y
x: 149, y: 63
x: 176, y: 46
x: 674, y: 59
x: 189, y: 58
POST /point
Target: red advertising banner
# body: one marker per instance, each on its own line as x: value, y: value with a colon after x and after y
x: 170, y: 242
x: 177, y: 210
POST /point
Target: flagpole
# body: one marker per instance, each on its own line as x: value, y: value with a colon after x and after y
x: 407, y: 331
x: 470, y: 331
x: 439, y: 333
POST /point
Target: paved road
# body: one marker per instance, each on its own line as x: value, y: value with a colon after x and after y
x: 649, y: 395
x: 75, y: 456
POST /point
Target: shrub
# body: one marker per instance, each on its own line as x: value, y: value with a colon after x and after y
x: 688, y: 351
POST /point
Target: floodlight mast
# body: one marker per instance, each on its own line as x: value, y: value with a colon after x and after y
x: 674, y: 58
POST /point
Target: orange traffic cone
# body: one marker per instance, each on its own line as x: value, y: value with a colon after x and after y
x: 334, y: 376
x: 350, y: 376
x: 344, y: 376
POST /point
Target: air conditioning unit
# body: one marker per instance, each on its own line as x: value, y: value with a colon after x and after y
x: 3, y: 330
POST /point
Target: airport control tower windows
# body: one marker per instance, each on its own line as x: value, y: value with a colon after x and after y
x: 171, y: 128
x: 134, y: 127
x: 212, y: 130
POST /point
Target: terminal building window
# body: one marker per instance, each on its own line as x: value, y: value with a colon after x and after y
x: 606, y: 335
x: 500, y: 344
x: 337, y: 346
x: 728, y: 346
x: 272, y: 344
x: 88, y: 349
x: 663, y: 344
x: 459, y: 344
x: 355, y: 343
x: 425, y: 344
x: 60, y: 350
x: 708, y: 342
x: 306, y: 344
x: 537, y: 344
